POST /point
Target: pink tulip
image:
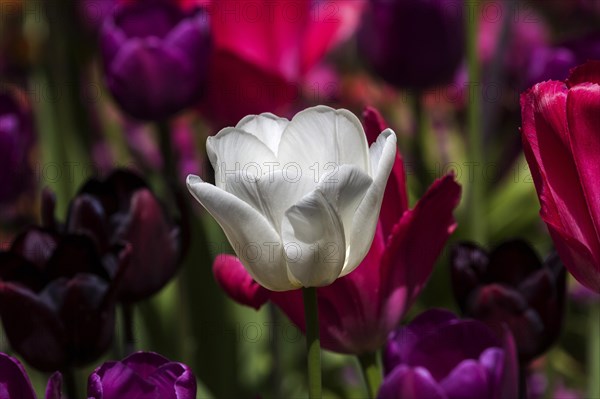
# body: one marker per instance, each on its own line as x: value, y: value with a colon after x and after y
x: 264, y: 50
x: 562, y: 143
x: 359, y: 310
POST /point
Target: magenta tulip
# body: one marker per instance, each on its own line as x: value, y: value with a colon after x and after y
x: 144, y: 375
x: 359, y: 310
x: 438, y: 356
x: 561, y: 143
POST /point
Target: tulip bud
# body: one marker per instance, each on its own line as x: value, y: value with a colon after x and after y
x: 16, y: 141
x: 155, y: 57
x: 62, y: 284
x: 511, y: 287
x: 440, y: 356
x: 142, y: 374
x: 413, y: 44
x: 122, y: 209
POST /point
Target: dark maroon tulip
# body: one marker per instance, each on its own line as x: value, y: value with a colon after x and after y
x: 413, y: 44
x: 156, y: 57
x: 511, y: 287
x: 438, y: 356
x: 143, y: 375
x: 16, y: 141
x: 57, y: 298
x: 123, y: 209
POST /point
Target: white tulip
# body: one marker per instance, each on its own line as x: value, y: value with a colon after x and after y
x: 298, y: 200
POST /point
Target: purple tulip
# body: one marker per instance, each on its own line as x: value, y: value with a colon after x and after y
x: 512, y: 287
x: 123, y: 209
x: 57, y: 298
x: 143, y: 375
x: 14, y: 382
x: 413, y: 44
x: 438, y: 356
x: 16, y: 141
x: 156, y: 57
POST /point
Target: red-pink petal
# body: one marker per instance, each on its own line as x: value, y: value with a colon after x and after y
x: 237, y: 282
x: 415, y: 244
x: 588, y: 72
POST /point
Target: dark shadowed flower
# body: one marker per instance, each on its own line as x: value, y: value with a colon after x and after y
x: 57, y: 298
x: 561, y: 144
x: 413, y: 44
x: 438, y: 356
x: 16, y: 142
x: 358, y: 311
x: 156, y: 56
x: 144, y: 375
x: 511, y: 287
x: 123, y: 209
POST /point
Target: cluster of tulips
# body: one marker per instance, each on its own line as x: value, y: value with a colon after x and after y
x: 328, y: 218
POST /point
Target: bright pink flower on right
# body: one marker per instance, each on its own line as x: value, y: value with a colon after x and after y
x: 561, y: 140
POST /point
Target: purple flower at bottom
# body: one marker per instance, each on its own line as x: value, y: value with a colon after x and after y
x: 142, y: 375
x: 14, y: 382
x: 438, y: 356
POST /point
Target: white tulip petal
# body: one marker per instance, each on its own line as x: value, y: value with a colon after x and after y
x: 321, y: 138
x: 252, y: 237
x: 314, y: 243
x: 267, y: 127
x: 271, y: 194
x: 233, y: 150
x: 344, y: 189
x: 383, y: 155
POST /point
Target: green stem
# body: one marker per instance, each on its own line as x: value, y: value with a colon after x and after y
x: 475, y: 192
x: 594, y: 351
x: 166, y: 149
x: 371, y: 370
x: 311, y: 312
x: 128, y: 331
x: 418, y: 148
x: 70, y: 383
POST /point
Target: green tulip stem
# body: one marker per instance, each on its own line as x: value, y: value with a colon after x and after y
x: 70, y: 383
x: 128, y: 330
x: 166, y: 150
x: 371, y: 370
x: 594, y: 351
x: 475, y: 191
x: 313, y: 345
x: 419, y: 138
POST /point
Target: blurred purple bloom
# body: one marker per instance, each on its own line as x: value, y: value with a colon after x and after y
x: 16, y: 142
x: 413, y: 44
x: 144, y: 375
x: 123, y: 209
x: 156, y: 57
x: 511, y: 287
x: 57, y: 298
x: 438, y: 356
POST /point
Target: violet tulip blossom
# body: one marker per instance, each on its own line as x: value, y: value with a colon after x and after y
x: 438, y: 356
x: 156, y: 57
x: 359, y: 310
x: 16, y: 142
x: 142, y: 375
x: 414, y: 44
x: 15, y: 383
x: 561, y: 144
